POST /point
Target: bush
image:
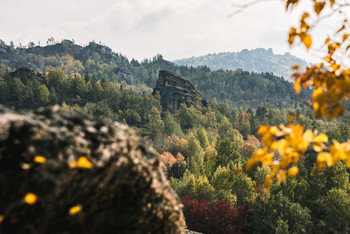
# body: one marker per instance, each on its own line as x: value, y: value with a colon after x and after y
x: 217, y: 217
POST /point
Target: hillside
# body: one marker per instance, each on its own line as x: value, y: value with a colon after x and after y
x: 258, y: 60
x: 98, y: 62
x: 203, y: 150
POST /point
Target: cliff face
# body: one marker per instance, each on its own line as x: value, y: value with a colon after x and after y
x: 97, y: 167
x: 175, y: 90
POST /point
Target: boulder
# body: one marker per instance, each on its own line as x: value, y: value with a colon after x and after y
x: 68, y: 173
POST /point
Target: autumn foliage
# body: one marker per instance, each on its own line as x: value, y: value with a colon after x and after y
x: 169, y: 160
x: 217, y: 217
x: 330, y: 82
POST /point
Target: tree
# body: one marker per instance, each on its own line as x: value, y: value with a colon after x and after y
x: 171, y: 126
x: 187, y: 117
x: 195, y: 153
x: 336, y: 204
x: 329, y: 80
x: 57, y: 80
x: 44, y: 94
x: 155, y: 126
x: 216, y: 217
x: 203, y: 138
x: 247, y: 149
x: 227, y: 151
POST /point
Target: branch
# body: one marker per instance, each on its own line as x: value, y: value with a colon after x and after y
x: 241, y: 7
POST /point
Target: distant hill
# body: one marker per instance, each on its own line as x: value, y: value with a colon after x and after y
x: 95, y: 62
x: 258, y: 60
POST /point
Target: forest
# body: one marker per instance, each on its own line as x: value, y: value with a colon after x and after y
x: 258, y: 60
x: 100, y: 63
x: 203, y: 150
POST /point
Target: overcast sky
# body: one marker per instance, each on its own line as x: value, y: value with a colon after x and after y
x: 143, y: 28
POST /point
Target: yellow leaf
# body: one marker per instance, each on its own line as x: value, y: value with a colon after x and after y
x: 1, y: 218
x: 332, y: 2
x: 281, y: 177
x: 305, y: 16
x: 274, y: 130
x: 308, y: 136
x: 293, y: 171
x: 82, y: 162
x: 39, y: 159
x: 327, y: 40
x: 292, y: 34
x: 75, y: 209
x: 318, y: 148
x: 30, y: 198
x: 297, y: 86
x: 251, y: 164
x: 262, y: 129
x: 72, y: 164
x: 324, y: 157
x: 307, y: 40
x: 345, y: 36
x: 327, y: 59
x: 337, y: 111
x: 321, y: 138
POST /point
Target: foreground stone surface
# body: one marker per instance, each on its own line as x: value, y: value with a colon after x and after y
x: 124, y: 191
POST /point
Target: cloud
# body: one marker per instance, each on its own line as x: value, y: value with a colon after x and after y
x: 142, y: 29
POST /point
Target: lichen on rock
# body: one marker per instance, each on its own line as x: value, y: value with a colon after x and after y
x: 87, y: 175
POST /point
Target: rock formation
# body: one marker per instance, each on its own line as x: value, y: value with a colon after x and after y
x: 65, y: 173
x: 174, y: 90
x: 26, y: 74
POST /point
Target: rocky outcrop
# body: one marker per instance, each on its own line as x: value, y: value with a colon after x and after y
x: 64, y: 173
x: 26, y: 74
x: 175, y: 90
x: 17, y: 57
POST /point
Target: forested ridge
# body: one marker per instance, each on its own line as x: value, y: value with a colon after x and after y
x: 203, y: 150
x: 101, y: 63
x: 258, y: 60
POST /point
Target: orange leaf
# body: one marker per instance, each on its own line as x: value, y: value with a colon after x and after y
x: 318, y: 7
x: 296, y: 67
x: 341, y: 29
x: 291, y: 2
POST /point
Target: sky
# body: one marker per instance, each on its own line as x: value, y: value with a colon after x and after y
x: 144, y: 28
